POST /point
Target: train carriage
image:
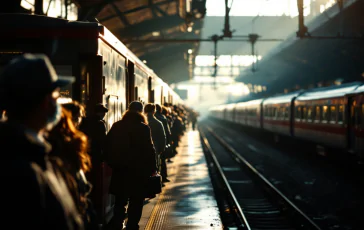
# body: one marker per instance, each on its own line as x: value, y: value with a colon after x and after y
x: 277, y: 115
x: 249, y: 113
x: 217, y: 112
x: 105, y: 72
x: 356, y: 121
x: 229, y: 112
x: 320, y: 115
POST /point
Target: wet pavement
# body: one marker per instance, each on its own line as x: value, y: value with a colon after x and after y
x: 187, y: 202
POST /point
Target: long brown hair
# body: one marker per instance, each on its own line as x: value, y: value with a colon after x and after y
x: 72, y: 144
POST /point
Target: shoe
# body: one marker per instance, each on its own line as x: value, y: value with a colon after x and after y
x: 165, y: 180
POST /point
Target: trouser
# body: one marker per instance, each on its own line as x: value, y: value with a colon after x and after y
x: 175, y: 142
x: 193, y: 125
x: 135, y: 209
x: 163, y: 168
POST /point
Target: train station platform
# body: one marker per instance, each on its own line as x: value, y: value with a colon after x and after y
x: 187, y: 201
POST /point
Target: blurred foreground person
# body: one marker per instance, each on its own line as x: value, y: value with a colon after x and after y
x: 35, y: 194
x: 131, y: 155
x: 70, y: 145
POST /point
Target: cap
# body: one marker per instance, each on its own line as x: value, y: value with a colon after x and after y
x: 101, y: 108
x: 136, y: 106
x: 28, y: 77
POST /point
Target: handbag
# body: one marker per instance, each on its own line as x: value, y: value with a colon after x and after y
x: 154, y: 185
x: 168, y: 152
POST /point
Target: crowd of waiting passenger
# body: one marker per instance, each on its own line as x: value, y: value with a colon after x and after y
x: 52, y: 151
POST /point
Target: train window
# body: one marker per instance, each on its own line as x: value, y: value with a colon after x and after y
x: 358, y: 116
x: 310, y: 113
x: 340, y: 115
x: 318, y: 113
x: 333, y: 114
x: 298, y: 113
x: 325, y: 114
x: 304, y: 113
x: 285, y: 113
x: 279, y: 113
x: 362, y: 114
x: 275, y: 113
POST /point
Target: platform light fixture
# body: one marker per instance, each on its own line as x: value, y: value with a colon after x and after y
x: 145, y: 61
x: 156, y: 33
x: 189, y: 29
x: 190, y: 51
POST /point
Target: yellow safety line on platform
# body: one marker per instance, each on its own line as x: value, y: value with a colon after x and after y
x: 153, y: 216
x: 152, y: 219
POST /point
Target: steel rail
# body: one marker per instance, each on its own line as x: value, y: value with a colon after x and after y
x: 221, y: 172
x: 313, y: 225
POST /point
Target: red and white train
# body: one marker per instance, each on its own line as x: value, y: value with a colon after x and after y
x: 332, y: 116
x: 106, y: 71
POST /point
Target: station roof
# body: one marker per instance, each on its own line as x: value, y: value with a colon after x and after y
x: 303, y: 63
x: 151, y: 19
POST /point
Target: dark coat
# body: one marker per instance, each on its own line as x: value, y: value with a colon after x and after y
x: 158, y: 133
x: 164, y: 121
x: 95, y: 130
x: 129, y: 141
x: 35, y: 195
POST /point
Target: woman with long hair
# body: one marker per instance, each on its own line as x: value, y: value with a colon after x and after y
x: 69, y: 152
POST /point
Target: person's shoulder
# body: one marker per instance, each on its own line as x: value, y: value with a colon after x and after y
x: 19, y: 172
x: 159, y: 122
x: 143, y: 127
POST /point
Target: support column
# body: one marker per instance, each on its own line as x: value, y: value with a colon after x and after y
x: 38, y: 7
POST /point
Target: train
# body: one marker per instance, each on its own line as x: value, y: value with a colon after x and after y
x: 330, y: 117
x: 106, y: 72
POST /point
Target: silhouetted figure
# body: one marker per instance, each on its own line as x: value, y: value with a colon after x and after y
x: 95, y: 128
x: 35, y: 196
x: 157, y: 130
x: 161, y: 117
x: 130, y: 153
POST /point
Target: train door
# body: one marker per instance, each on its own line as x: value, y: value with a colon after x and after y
x: 152, y: 96
x: 351, y: 122
x: 130, y: 83
x: 150, y: 91
x: 162, y: 95
x: 261, y: 115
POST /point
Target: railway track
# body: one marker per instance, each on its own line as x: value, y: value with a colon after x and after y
x: 257, y: 203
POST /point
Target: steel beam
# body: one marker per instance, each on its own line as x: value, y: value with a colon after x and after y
x: 121, y: 16
x: 193, y: 40
x: 148, y: 6
x: 149, y: 26
x: 91, y: 12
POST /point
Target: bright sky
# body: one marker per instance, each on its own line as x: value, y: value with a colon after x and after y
x: 256, y: 7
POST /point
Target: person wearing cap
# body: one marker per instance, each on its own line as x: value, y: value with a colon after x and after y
x: 131, y: 154
x: 35, y: 195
